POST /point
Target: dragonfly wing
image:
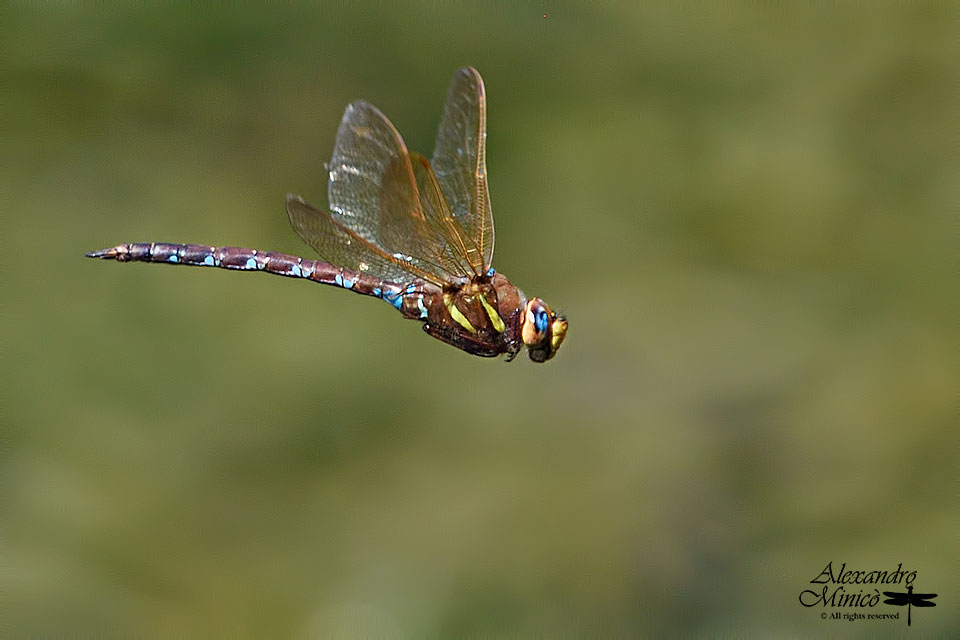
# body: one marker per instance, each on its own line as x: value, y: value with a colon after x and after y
x: 344, y: 247
x: 459, y: 160
x: 373, y: 193
x: 452, y: 247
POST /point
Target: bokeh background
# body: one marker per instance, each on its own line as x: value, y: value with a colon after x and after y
x: 747, y: 211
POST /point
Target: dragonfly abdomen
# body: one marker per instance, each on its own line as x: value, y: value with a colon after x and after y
x: 241, y: 259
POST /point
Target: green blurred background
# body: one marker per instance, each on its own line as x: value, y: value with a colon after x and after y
x: 748, y: 213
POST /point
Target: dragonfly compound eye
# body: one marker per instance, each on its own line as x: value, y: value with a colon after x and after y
x: 542, y: 330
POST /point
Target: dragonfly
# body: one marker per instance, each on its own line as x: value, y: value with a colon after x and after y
x: 899, y: 598
x: 414, y: 232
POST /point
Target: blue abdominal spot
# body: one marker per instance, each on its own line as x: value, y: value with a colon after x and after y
x: 394, y: 298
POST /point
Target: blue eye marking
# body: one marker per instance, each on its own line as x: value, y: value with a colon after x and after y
x: 541, y: 321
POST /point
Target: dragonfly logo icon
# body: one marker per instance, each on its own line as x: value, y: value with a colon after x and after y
x: 911, y: 599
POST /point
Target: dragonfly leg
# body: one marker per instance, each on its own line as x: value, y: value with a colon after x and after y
x: 468, y: 342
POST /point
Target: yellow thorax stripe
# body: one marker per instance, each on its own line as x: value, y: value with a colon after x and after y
x: 457, y: 315
x: 495, y: 318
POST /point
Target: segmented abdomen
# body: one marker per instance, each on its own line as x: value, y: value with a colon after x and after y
x: 408, y: 299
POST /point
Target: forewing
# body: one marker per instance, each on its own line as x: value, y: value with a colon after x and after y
x: 459, y: 160
x: 373, y: 193
x: 450, y: 244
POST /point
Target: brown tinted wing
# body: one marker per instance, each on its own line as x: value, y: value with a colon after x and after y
x: 449, y: 244
x: 344, y: 247
x: 415, y: 217
x: 373, y: 193
x: 459, y: 160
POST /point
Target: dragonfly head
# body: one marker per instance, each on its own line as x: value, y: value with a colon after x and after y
x: 542, y: 330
